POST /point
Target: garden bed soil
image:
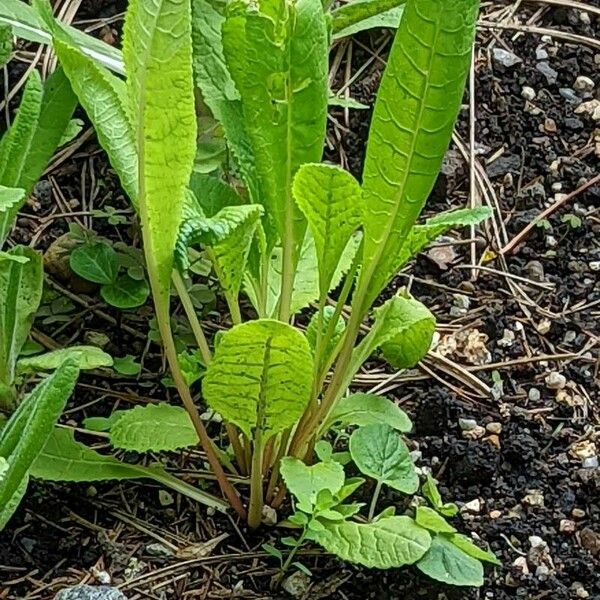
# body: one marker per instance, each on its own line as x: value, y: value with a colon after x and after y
x: 518, y: 339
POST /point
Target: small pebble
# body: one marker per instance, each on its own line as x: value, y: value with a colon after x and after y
x: 569, y: 95
x: 528, y: 93
x: 296, y: 584
x: 584, y: 17
x: 555, y: 381
x: 584, y: 84
x: 494, y: 427
x: 462, y: 301
x: 590, y: 463
x: 578, y: 513
x: 467, y: 424
x: 474, y: 506
x: 534, y: 498
x: 547, y: 71
x: 574, y: 123
x: 542, y: 571
x: 507, y: 339
x: 534, y: 394
x: 535, y: 270
x: 549, y: 125
x: 541, y: 53
x: 505, y: 58
x: 159, y: 550
x: 567, y: 526
x: 520, y: 564
x: 474, y: 434
x: 595, y: 265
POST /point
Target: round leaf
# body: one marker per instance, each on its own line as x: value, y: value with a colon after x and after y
x: 379, y: 452
x: 369, y: 409
x: 95, y: 262
x: 126, y: 292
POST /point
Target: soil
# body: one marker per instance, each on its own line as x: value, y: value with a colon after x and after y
x: 526, y: 482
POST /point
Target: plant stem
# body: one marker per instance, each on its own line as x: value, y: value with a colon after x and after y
x: 234, y: 438
x: 190, y: 312
x: 256, y: 485
x: 290, y: 557
x: 283, y: 443
x: 373, y: 504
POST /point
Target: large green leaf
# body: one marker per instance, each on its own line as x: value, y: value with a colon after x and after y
x: 278, y: 61
x: 305, y: 482
x: 158, y: 63
x: 65, y: 459
x: 8, y: 509
x: 417, y: 104
x: 379, y: 452
x: 20, y: 295
x: 368, y: 409
x: 155, y: 428
x: 5, y: 43
x: 359, y: 15
x: 384, y: 544
x: 11, y: 200
x: 432, y: 520
x: 421, y: 235
x: 84, y: 357
x: 25, y: 434
x: 331, y: 201
x: 260, y: 377
x: 102, y: 95
x: 28, y: 24
x: 446, y: 562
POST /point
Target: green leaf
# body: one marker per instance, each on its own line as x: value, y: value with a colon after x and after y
x: 387, y: 543
x: 153, y: 428
x: 467, y: 546
x: 126, y: 292
x: 5, y: 45
x: 430, y: 519
x: 20, y: 294
x: 312, y: 331
x: 31, y: 26
x: 192, y: 366
x: 417, y: 103
x: 431, y: 492
x: 212, y: 194
x: 11, y: 201
x: 260, y: 377
x: 447, y: 563
x: 278, y: 60
x: 65, y: 459
x: 126, y: 365
x: 158, y: 60
x: 368, y: 409
x: 305, y: 482
x: 83, y: 357
x: 95, y: 262
x: 421, y: 235
x: 330, y: 199
x: 72, y: 130
x: 379, y: 452
x: 359, y: 15
x: 8, y: 510
x: 25, y: 434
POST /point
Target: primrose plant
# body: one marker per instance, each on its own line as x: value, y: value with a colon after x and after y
x: 282, y: 231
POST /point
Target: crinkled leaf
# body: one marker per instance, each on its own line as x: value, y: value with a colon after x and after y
x: 212, y: 194
x: 260, y: 377
x: 11, y: 200
x: 421, y: 235
x: 25, y: 434
x: 160, y: 92
x: 447, y: 563
x: 278, y: 60
x: 65, y: 459
x: 126, y: 292
x: 153, y: 428
x: 305, y: 482
x: 20, y: 294
x: 95, y: 262
x: 359, y: 15
x: 368, y: 409
x: 432, y: 520
x: 385, y: 544
x: 379, y: 452
x: 84, y: 357
x: 417, y: 103
x: 331, y: 201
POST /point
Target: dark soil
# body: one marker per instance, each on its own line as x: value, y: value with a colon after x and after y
x: 529, y: 475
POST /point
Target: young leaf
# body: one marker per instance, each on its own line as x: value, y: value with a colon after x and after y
x: 313, y: 329
x: 384, y: 544
x: 65, y: 459
x: 305, y: 482
x: 426, y: 69
x: 421, y: 235
x: 158, y: 62
x: 467, y: 546
x: 25, y: 434
x: 278, y: 61
x: 11, y: 200
x: 432, y: 520
x: 359, y: 15
x: 379, y: 452
x: 153, y: 428
x: 212, y: 194
x: 20, y: 295
x: 83, y: 357
x: 260, y: 377
x: 331, y: 201
x: 368, y: 409
x: 447, y: 563
x: 431, y: 492
x: 125, y: 292
x: 95, y: 262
